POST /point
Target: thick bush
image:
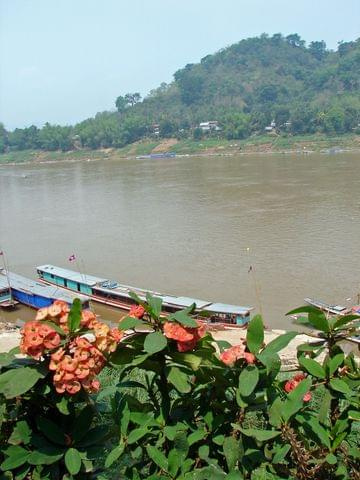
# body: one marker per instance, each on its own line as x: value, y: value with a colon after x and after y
x: 176, y: 403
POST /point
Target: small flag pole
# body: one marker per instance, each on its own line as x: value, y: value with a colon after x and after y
x: 6, y: 268
x: 256, y: 286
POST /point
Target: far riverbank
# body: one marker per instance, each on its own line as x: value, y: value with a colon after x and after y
x: 265, y: 144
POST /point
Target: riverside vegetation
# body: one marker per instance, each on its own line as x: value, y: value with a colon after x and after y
x: 303, y: 89
x: 175, y: 403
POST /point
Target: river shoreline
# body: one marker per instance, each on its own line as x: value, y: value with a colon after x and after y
x: 10, y: 338
x: 262, y: 145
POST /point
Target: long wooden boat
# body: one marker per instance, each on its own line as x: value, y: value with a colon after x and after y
x: 36, y: 294
x: 6, y: 299
x: 117, y: 295
x: 328, y: 308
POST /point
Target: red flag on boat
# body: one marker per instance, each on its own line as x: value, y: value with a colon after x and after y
x: 72, y: 258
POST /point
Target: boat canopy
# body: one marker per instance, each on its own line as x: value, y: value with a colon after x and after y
x: 36, y: 288
x: 228, y: 309
x: 4, y: 285
x: 71, y: 275
x: 185, y: 301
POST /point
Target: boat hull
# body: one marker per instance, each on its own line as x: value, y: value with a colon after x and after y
x: 240, y: 321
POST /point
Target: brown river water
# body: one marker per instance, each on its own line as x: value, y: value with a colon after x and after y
x: 193, y: 226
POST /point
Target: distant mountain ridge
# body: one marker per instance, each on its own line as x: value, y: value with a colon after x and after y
x: 246, y: 88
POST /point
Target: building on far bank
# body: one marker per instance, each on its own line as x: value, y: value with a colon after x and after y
x: 212, y: 125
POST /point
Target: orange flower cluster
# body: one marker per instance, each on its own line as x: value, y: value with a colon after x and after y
x: 185, y: 337
x: 77, y: 362
x: 294, y: 382
x: 57, y: 313
x: 107, y: 338
x: 78, y: 368
x: 38, y: 337
x: 137, y: 311
x: 235, y: 353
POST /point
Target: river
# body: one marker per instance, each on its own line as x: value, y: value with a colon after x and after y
x: 193, y: 226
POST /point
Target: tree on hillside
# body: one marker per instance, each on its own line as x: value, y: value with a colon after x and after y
x: 132, y: 98
x: 318, y: 49
x: 121, y: 104
x: 3, y: 138
x: 295, y: 40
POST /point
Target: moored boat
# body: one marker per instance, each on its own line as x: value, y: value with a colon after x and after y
x: 6, y: 299
x: 118, y: 295
x: 36, y: 294
x: 328, y: 308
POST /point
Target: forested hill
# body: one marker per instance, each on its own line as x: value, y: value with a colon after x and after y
x: 246, y: 88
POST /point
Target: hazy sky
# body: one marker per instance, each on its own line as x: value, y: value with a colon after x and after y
x: 64, y: 60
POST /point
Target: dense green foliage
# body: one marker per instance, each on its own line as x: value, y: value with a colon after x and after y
x: 303, y: 89
x: 182, y: 405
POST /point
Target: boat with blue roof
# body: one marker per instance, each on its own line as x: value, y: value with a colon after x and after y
x: 6, y: 298
x: 117, y: 295
x: 36, y: 294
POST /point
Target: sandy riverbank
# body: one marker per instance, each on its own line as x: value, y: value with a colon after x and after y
x: 257, y: 145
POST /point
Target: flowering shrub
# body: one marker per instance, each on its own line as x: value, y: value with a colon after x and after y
x: 181, y: 405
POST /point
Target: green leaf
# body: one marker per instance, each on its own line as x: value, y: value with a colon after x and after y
x: 340, y: 386
x: 74, y: 318
x: 17, y: 456
x: 354, y: 415
x: 324, y: 409
x: 341, y: 321
x: 271, y: 362
x: 114, y: 455
x: 260, y: 435
x: 174, y: 462
x: 82, y: 423
x: 231, y: 451
x: 313, y: 367
x: 303, y: 309
x: 281, y: 454
x: 62, y: 404
x: 154, y: 342
x: 335, y: 362
x: 319, y: 321
x: 136, y: 434
x: 279, y: 343
x: 158, y: 457
x: 155, y: 304
x: 331, y: 459
x: 125, y: 419
x: 204, y: 451
x: 128, y: 323
x: 319, y: 431
x: 255, y: 334
x: 275, y: 412
x: 180, y: 380
x: 248, y: 380
x: 302, y: 388
x: 196, y: 436
x: 51, y: 430
x: 294, y: 401
x: 73, y: 461
x: 95, y: 436
x: 18, y: 381
x: 189, y: 359
x: 183, y: 318
x: 6, y: 359
x: 20, y: 434
x: 45, y: 456
x: 310, y: 347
